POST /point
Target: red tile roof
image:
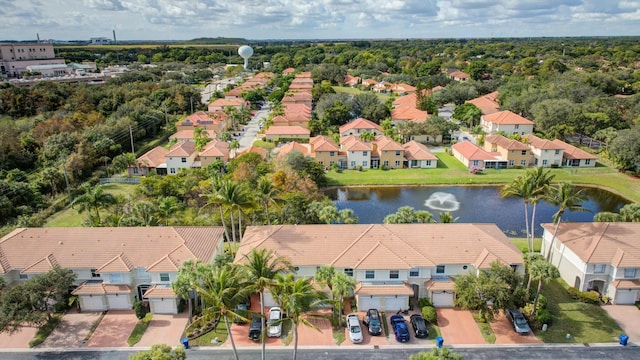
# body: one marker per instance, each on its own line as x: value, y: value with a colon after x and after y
x: 505, y: 143
x: 572, y: 152
x: 539, y: 143
x: 361, y: 124
x: 287, y: 130
x: 414, y: 150
x: 506, y: 117
x: 472, y: 152
x: 488, y: 103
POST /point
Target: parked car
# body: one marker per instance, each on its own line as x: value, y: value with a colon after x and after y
x: 400, y: 329
x: 275, y: 325
x: 255, y: 328
x: 372, y: 320
x: 419, y: 326
x: 242, y: 310
x: 355, y: 331
x: 520, y: 324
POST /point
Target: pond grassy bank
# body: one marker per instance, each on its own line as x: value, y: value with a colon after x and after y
x: 451, y: 172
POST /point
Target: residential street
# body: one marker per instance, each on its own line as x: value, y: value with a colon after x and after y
x: 252, y: 128
x: 491, y: 352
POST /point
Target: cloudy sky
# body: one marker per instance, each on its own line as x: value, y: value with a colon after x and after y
x: 314, y: 19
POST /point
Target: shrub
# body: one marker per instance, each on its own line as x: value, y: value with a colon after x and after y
x: 573, y: 292
x: 422, y: 302
x: 140, y: 309
x: 384, y: 167
x: 589, y: 297
x: 543, y: 317
x: 542, y: 302
x: 429, y: 314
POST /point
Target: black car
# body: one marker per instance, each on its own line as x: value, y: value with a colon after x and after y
x: 241, y: 309
x: 419, y: 326
x: 255, y: 329
x: 372, y: 320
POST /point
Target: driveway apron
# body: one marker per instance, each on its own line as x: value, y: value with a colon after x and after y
x: 505, y: 334
x: 165, y: 328
x: 18, y: 340
x: 458, y: 327
x: 72, y: 330
x: 628, y: 317
x: 114, y: 329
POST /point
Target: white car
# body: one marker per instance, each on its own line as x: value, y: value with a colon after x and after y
x: 274, y: 324
x: 355, y: 331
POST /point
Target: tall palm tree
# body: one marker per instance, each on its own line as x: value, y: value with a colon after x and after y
x: 267, y: 194
x: 167, y: 206
x: 261, y: 266
x: 214, y: 200
x: 93, y: 200
x: 565, y: 197
x: 521, y: 187
x: 540, y: 180
x: 297, y: 297
x: 543, y: 271
x: 367, y: 136
x: 237, y: 198
x: 185, y: 283
x: 343, y: 285
x: 447, y: 218
x: 222, y: 289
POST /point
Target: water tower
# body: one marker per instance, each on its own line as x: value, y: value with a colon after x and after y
x: 245, y: 52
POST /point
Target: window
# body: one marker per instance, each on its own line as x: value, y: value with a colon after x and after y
x: 428, y: 162
x: 24, y: 276
x: 184, y: 160
x: 476, y: 162
x: 173, y: 170
x: 397, y: 163
x: 440, y: 269
x: 365, y: 153
x: 370, y: 274
x: 348, y: 272
x: 94, y: 274
x: 598, y: 268
x: 587, y: 161
x: 524, y: 152
x: 364, y: 163
x: 353, y: 163
x: 523, y: 162
x: 630, y: 273
x: 414, y: 163
x: 115, y: 278
x: 415, y: 272
x: 164, y: 276
x: 516, y: 126
x: 544, y: 162
x: 135, y: 170
x: 394, y: 274
x: 386, y: 163
x: 141, y: 273
x: 557, y: 152
x: 398, y: 153
x: 510, y: 162
x: 332, y: 153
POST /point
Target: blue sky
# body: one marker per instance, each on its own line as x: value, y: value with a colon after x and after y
x: 315, y: 19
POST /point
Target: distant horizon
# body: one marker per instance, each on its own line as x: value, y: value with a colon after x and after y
x: 309, y: 20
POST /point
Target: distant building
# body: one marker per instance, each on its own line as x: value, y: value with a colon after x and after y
x: 99, y: 41
x: 16, y: 57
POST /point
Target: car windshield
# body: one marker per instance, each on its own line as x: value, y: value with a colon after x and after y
x: 355, y: 329
x: 520, y: 321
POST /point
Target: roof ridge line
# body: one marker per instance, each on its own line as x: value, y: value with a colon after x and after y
x: 352, y: 244
x: 594, y: 244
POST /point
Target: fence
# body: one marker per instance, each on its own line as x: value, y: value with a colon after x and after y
x: 123, y: 180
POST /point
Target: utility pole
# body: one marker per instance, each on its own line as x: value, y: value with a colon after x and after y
x: 66, y: 178
x: 191, y: 98
x: 133, y: 151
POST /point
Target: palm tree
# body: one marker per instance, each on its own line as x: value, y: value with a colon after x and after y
x: 143, y: 213
x: 543, y: 271
x: 447, y: 218
x: 261, y: 266
x: 540, y: 180
x: 267, y: 194
x: 93, y: 200
x: 530, y: 258
x: 214, y: 200
x: 367, y: 136
x: 167, y: 206
x: 521, y: 187
x: 565, y: 197
x: 297, y: 297
x: 234, y: 146
x: 347, y: 216
x: 222, y: 289
x: 185, y: 282
x: 343, y: 285
x: 236, y: 197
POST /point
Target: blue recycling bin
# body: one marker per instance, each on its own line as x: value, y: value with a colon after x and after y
x: 185, y: 343
x: 439, y: 342
x: 624, y: 339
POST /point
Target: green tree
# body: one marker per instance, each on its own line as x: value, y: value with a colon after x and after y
x: 167, y: 207
x: 565, y: 197
x: 262, y: 266
x: 342, y: 286
x: 237, y: 198
x: 184, y: 285
x: 624, y: 150
x: 201, y: 137
x: 540, y: 179
x: 267, y: 194
x: 367, y: 136
x: 93, y: 200
x: 543, y: 271
x: 443, y: 353
x: 474, y: 292
x: 469, y: 113
x: 160, y: 352
x: 447, y: 218
x: 298, y: 299
x: 521, y: 187
x: 408, y: 215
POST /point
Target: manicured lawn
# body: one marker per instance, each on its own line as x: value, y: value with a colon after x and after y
x: 70, y: 217
x: 139, y: 329
x: 207, y: 339
x: 487, y: 332
x: 586, y: 323
x: 355, y: 91
x: 521, y: 243
x: 452, y: 172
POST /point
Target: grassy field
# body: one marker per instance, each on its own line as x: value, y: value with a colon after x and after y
x: 585, y: 322
x: 450, y: 171
x: 70, y: 216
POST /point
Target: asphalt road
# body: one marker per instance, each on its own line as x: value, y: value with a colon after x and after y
x: 482, y: 353
x: 252, y: 128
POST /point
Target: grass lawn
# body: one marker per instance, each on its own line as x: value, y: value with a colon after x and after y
x: 586, y: 323
x: 139, y: 329
x: 434, y: 331
x: 70, y: 217
x: 487, y: 332
x: 338, y: 336
x: 45, y: 330
x: 521, y: 243
x: 355, y: 91
x: 450, y: 171
x: 206, y: 340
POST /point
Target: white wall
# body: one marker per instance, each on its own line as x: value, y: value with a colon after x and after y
x: 155, y: 278
x: 358, y: 157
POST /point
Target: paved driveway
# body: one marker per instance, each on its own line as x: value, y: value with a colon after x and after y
x: 72, y: 330
x: 18, y: 340
x: 628, y: 317
x: 505, y: 334
x: 165, y: 329
x: 458, y: 327
x: 114, y: 329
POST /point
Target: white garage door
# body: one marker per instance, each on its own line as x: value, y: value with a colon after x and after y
x: 367, y: 302
x: 119, y: 302
x: 93, y: 303
x: 392, y: 303
x: 625, y: 296
x: 442, y: 298
x: 268, y: 300
x: 164, y: 306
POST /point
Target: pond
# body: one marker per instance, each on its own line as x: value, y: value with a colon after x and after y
x: 472, y: 204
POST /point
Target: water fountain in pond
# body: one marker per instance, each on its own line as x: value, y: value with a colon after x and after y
x: 442, y: 201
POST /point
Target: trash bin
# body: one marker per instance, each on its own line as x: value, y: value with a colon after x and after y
x: 439, y: 342
x: 624, y: 339
x: 185, y: 342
